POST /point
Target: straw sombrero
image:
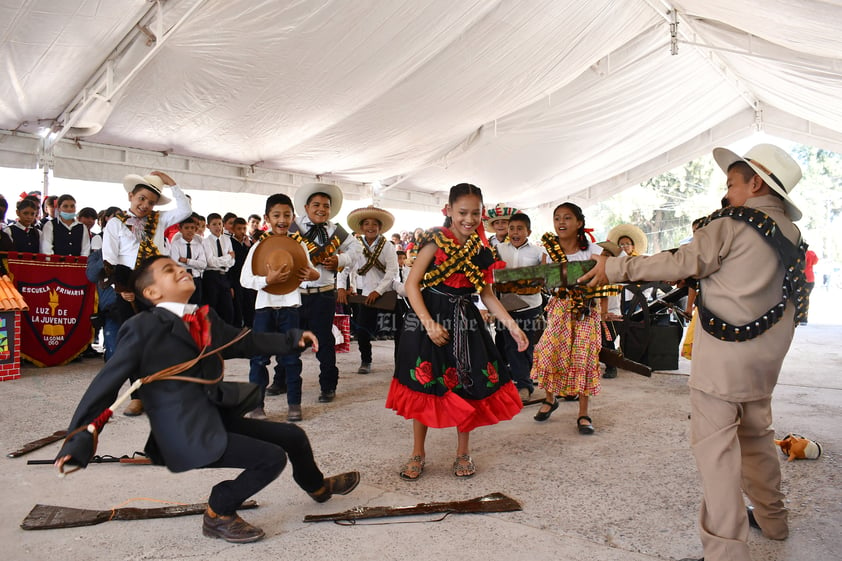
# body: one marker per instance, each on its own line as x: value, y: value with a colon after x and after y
x: 305, y: 191
x: 279, y: 251
x: 611, y: 247
x: 151, y: 182
x: 357, y: 216
x: 632, y: 232
x: 773, y: 164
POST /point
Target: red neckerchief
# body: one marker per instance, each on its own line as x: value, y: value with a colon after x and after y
x: 199, y: 326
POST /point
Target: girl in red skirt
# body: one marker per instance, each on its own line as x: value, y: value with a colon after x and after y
x: 448, y: 371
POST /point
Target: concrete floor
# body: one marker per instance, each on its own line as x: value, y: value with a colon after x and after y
x: 628, y: 493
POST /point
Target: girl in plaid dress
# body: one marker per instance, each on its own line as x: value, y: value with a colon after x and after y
x: 566, y: 359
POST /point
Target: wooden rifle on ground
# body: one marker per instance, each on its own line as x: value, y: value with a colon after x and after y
x: 36, y: 444
x: 138, y: 458
x: 494, y: 502
x: 50, y: 517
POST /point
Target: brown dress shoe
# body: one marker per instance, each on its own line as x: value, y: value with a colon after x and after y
x: 229, y: 528
x: 341, y: 484
x: 134, y: 408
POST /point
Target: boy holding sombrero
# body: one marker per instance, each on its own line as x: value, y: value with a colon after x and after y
x: 375, y: 272
x: 274, y: 267
x: 331, y: 249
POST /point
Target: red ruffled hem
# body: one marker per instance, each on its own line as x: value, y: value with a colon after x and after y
x: 450, y: 410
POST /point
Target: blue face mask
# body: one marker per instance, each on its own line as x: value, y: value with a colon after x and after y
x: 67, y: 215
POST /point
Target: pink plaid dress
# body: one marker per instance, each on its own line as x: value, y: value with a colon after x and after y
x: 566, y: 359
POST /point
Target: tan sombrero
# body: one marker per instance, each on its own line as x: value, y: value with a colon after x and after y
x: 611, y: 247
x: 305, y: 191
x: 499, y: 211
x: 357, y: 216
x: 632, y: 232
x: 151, y: 182
x: 773, y: 164
x: 278, y: 251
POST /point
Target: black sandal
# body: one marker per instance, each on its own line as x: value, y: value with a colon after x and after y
x: 542, y: 416
x: 586, y: 428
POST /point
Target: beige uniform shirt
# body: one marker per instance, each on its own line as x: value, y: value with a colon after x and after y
x: 741, y: 279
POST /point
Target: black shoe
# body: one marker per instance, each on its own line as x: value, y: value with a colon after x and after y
x: 327, y: 397
x: 574, y: 397
x: 230, y: 528
x: 610, y: 372
x: 693, y: 559
x: 341, y: 484
x: 752, y: 521
x: 274, y: 389
x: 90, y: 352
x: 587, y: 428
x: 542, y: 416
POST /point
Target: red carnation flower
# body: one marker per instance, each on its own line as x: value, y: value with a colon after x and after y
x: 492, y: 374
x: 451, y: 378
x: 424, y: 373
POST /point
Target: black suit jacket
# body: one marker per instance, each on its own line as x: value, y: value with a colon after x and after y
x: 186, y: 421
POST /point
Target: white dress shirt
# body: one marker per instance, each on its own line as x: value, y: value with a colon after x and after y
x: 526, y: 255
x: 197, y: 263
x: 215, y: 261
x: 374, y: 279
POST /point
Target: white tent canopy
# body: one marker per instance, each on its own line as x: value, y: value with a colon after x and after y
x: 535, y: 101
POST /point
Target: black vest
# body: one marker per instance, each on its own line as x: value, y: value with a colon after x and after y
x: 26, y: 242
x: 67, y: 242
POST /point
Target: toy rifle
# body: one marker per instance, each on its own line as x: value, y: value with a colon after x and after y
x: 138, y: 458
x: 667, y: 301
x: 494, y: 502
x: 49, y: 517
x: 555, y: 275
x: 36, y: 444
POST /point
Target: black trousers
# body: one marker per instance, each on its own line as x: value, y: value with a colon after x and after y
x: 261, y: 448
x: 216, y: 291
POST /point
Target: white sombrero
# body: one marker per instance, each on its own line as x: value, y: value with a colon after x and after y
x: 772, y: 163
x: 151, y: 182
x: 499, y: 212
x: 308, y: 189
x: 356, y: 217
x: 632, y: 232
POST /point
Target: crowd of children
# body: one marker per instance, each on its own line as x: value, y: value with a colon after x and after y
x: 438, y: 288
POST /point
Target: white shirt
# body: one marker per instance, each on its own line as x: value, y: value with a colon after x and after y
x: 266, y: 299
x: 374, y: 279
x: 197, y: 262
x: 177, y: 308
x: 348, y: 253
x: 524, y: 256
x: 215, y: 262
x: 119, y: 244
x: 47, y: 236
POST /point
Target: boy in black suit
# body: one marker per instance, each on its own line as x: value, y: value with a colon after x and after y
x: 196, y: 425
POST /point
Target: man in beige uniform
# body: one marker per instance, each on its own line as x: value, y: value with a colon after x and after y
x: 731, y: 382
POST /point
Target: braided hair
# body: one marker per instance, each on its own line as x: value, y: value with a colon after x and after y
x: 581, y: 238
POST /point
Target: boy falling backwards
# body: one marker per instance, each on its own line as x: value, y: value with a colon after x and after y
x: 199, y: 425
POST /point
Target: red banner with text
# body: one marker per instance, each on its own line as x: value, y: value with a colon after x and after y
x: 57, y: 327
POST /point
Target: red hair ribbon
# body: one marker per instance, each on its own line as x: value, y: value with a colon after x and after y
x: 444, y: 210
x: 589, y: 232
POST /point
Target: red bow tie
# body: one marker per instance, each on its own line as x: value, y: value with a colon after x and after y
x: 200, y: 327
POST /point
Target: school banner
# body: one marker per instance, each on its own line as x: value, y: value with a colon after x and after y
x: 57, y: 327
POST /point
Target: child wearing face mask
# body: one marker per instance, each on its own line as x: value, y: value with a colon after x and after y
x: 64, y: 235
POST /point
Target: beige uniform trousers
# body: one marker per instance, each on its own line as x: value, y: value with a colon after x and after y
x: 733, y: 444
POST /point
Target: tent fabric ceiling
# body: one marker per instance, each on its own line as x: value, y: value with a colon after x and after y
x: 533, y: 100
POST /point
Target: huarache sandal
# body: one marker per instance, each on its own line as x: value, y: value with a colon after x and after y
x: 413, y: 468
x: 542, y: 416
x: 587, y: 427
x: 464, y: 466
